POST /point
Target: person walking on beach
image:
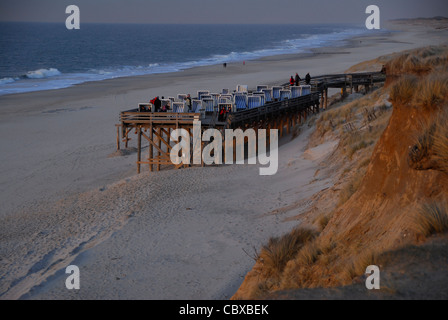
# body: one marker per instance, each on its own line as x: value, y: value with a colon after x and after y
x: 297, y: 79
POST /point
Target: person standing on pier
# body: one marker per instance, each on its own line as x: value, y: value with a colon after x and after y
x: 297, y: 79
x: 291, y: 81
x: 308, y: 79
x: 188, y: 102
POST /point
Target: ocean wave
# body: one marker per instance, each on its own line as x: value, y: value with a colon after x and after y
x: 42, y: 73
x: 6, y: 80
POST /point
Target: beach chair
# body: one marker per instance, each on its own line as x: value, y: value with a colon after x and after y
x: 201, y: 93
x: 196, y: 105
x: 178, y: 107
x: 227, y: 96
x: 225, y: 91
x: 165, y: 103
x: 285, y: 94
x: 171, y: 99
x: 262, y: 97
x: 296, y: 91
x: 206, y: 96
x: 208, y: 105
x: 240, y: 101
x: 215, y: 97
x: 267, y: 94
x: 241, y: 88
x: 145, y: 107
x: 228, y: 107
x: 253, y: 102
x: 306, y: 89
x: 276, y: 92
x: 261, y: 87
x: 182, y: 96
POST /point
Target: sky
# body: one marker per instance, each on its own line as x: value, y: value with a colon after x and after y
x: 218, y: 11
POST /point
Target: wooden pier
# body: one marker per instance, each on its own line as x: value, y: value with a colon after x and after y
x: 156, y: 127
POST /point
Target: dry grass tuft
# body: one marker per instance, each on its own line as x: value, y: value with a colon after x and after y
x: 280, y: 250
x: 402, y: 92
x: 431, y: 218
x: 308, y: 254
x: 440, y: 137
x: 322, y: 221
x: 432, y: 91
x: 431, y: 148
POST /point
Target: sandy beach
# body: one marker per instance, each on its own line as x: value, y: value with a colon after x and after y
x: 174, y: 234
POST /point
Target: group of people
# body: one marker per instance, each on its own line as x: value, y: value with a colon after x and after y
x: 157, y: 103
x: 296, y: 80
x: 158, y: 107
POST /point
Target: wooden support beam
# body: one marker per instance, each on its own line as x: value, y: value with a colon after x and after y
x: 159, y: 144
x: 150, y: 148
x: 139, y: 151
x: 118, y: 137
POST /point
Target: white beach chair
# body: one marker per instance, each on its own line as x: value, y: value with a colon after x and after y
x: 215, y: 97
x: 253, y: 102
x: 202, y: 92
x: 276, y: 92
x: 225, y: 91
x: 206, y: 96
x: 261, y: 87
x: 226, y: 96
x: 262, y: 97
x: 228, y: 107
x: 306, y: 89
x: 196, y: 105
x: 267, y: 94
x: 178, y: 107
x: 296, y: 91
x: 240, y: 101
x: 241, y: 88
x: 182, y: 96
x: 145, y: 106
x: 285, y: 94
x: 165, y: 103
x: 208, y: 105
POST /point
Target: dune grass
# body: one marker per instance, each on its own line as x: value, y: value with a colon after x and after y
x: 432, y: 91
x: 280, y: 250
x: 440, y: 138
x: 431, y: 218
x: 431, y: 144
x: 402, y: 92
x: 418, y: 61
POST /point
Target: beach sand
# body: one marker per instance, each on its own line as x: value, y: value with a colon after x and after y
x: 174, y: 234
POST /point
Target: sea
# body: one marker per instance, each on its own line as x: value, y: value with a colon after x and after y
x: 44, y: 56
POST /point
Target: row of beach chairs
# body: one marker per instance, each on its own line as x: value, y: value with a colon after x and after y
x: 239, y: 99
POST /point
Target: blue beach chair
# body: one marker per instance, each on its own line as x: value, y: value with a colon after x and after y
x: 201, y: 93
x: 267, y: 94
x: 295, y: 91
x: 276, y: 92
x: 208, y: 105
x: 306, y: 90
x: 253, y: 102
x: 285, y: 94
x: 240, y: 101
